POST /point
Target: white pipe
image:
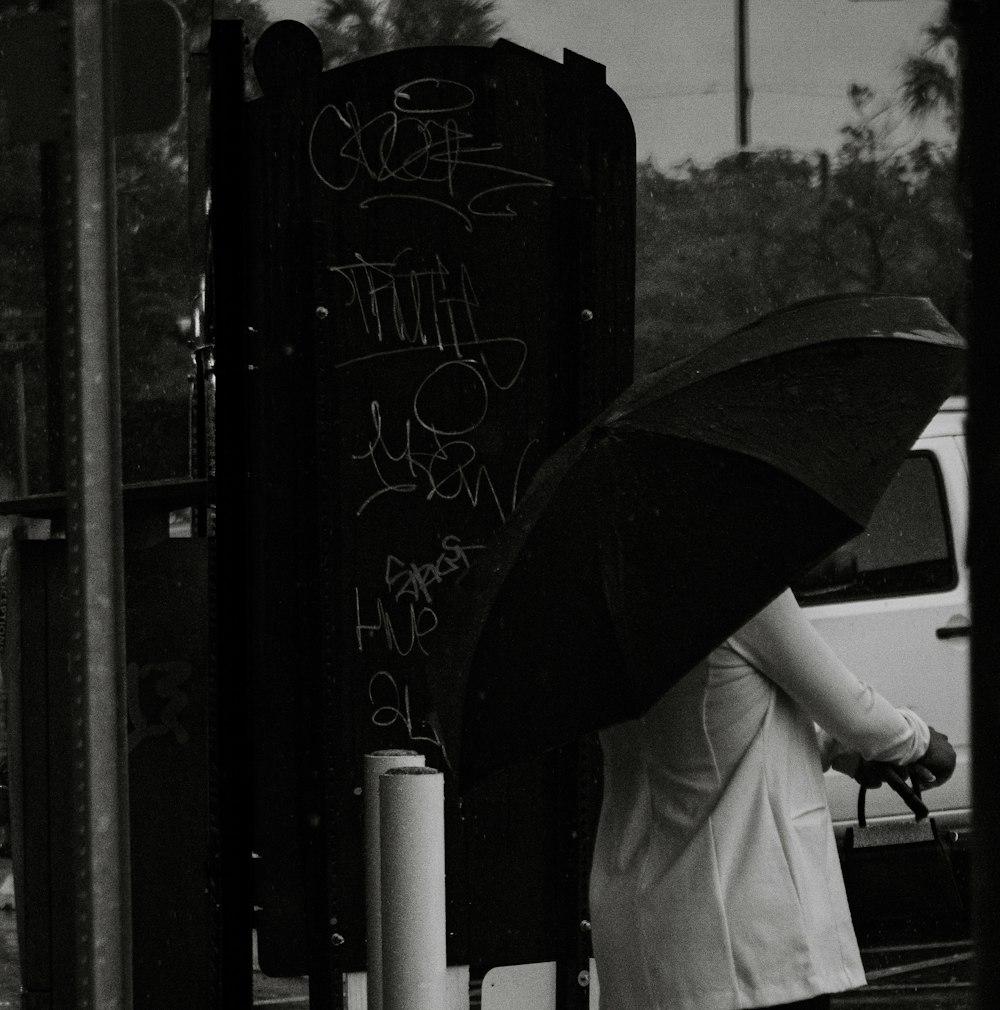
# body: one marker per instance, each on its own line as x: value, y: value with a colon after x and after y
x: 376, y: 765
x: 414, y: 955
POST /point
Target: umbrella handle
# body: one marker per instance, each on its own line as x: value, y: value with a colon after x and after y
x: 910, y: 795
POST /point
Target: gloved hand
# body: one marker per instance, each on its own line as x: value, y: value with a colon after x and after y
x: 933, y: 769
x: 937, y: 764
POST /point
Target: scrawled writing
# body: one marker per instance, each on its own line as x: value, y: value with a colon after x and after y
x: 419, y: 459
x: 428, y: 447
x: 400, y: 624
x: 403, y: 306
x: 416, y: 149
x: 402, y: 630
x: 427, y: 335
x: 392, y: 706
x: 410, y: 580
x: 400, y: 636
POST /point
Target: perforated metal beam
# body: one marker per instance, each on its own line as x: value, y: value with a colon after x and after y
x: 96, y: 661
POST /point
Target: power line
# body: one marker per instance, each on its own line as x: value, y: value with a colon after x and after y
x: 716, y: 89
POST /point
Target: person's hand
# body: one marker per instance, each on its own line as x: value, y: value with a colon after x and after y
x: 937, y: 764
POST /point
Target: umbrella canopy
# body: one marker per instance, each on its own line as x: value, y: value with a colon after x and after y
x: 670, y: 520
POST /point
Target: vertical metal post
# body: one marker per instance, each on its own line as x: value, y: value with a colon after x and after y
x: 743, y: 90
x: 228, y: 333
x: 979, y: 22
x: 22, y: 426
x: 96, y: 662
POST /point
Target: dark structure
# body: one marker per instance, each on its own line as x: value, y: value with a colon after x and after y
x: 424, y: 281
x: 420, y: 283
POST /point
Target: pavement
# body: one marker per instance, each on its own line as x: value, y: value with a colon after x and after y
x: 914, y: 965
x: 930, y: 975
x: 903, y: 974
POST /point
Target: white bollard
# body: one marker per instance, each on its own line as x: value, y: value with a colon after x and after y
x: 414, y: 954
x: 376, y: 765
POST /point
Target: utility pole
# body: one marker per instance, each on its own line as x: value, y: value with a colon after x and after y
x: 77, y: 72
x: 743, y: 90
x: 96, y: 661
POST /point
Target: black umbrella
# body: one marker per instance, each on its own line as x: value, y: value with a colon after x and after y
x: 676, y: 515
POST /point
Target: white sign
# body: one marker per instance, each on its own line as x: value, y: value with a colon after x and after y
x: 529, y: 987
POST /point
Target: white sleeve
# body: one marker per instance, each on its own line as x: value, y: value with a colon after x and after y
x: 785, y: 647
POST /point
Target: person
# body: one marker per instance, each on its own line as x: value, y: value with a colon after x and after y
x: 715, y: 881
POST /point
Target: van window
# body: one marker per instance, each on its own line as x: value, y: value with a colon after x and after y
x: 906, y: 549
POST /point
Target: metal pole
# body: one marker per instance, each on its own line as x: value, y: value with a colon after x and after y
x: 96, y: 689
x: 744, y: 91
x: 228, y: 333
x: 979, y: 22
x: 22, y: 427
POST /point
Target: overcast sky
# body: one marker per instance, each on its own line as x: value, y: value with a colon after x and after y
x: 672, y: 61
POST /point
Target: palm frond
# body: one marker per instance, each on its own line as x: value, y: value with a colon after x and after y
x: 928, y: 86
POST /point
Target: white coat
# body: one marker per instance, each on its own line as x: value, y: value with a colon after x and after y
x: 716, y: 883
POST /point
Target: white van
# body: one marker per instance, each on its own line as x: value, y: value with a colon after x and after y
x: 894, y: 605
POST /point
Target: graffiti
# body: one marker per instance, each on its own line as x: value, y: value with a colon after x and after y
x: 417, y: 144
x: 415, y: 581
x: 432, y: 363
x: 392, y: 706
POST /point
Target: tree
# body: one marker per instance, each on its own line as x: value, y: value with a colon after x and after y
x: 719, y: 245
x: 156, y: 272
x: 932, y: 82
x: 353, y: 29
x: 889, y: 222
x: 932, y: 79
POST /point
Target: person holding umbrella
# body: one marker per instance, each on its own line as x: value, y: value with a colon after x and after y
x: 640, y: 589
x: 715, y: 882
